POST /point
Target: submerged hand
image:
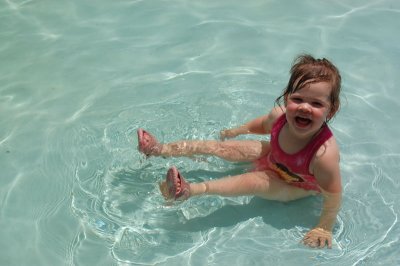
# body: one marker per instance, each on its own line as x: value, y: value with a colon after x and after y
x: 318, y: 238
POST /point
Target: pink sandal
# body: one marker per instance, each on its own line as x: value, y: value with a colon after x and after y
x: 175, y: 186
x: 147, y: 143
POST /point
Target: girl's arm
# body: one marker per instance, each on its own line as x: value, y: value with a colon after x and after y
x: 321, y: 234
x: 260, y: 125
x: 327, y: 173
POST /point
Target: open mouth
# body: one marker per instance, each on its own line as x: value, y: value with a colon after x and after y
x: 302, y: 122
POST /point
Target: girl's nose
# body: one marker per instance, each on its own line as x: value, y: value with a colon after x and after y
x: 304, y: 107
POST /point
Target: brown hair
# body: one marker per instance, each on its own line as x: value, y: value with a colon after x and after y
x: 305, y: 70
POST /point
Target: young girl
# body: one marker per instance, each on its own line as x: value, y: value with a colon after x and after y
x: 301, y: 159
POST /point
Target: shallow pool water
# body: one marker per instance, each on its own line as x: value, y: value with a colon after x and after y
x: 77, y: 78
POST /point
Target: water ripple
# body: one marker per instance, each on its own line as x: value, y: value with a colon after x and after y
x: 68, y: 143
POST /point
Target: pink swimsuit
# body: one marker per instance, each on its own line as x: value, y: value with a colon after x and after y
x: 293, y: 168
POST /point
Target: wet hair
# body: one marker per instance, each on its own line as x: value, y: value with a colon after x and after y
x: 306, y: 70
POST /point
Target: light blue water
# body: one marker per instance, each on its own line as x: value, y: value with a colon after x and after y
x: 77, y: 78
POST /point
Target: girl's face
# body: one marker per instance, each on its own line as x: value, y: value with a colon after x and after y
x: 308, y: 108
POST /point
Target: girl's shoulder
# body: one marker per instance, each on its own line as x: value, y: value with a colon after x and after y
x: 272, y: 116
x: 327, y: 153
x: 330, y: 145
x: 277, y: 112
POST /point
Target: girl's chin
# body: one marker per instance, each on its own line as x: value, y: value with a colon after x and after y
x: 303, y: 127
x: 303, y: 131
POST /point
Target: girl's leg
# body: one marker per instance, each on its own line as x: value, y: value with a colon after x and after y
x: 260, y: 184
x: 231, y: 150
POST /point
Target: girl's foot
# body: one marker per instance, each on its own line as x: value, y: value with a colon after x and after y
x: 175, y: 186
x: 147, y: 143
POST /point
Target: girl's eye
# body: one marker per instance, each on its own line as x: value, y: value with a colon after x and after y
x: 296, y: 99
x: 317, y: 104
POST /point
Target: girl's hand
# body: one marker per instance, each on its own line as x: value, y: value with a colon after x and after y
x: 228, y: 133
x: 318, y: 238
